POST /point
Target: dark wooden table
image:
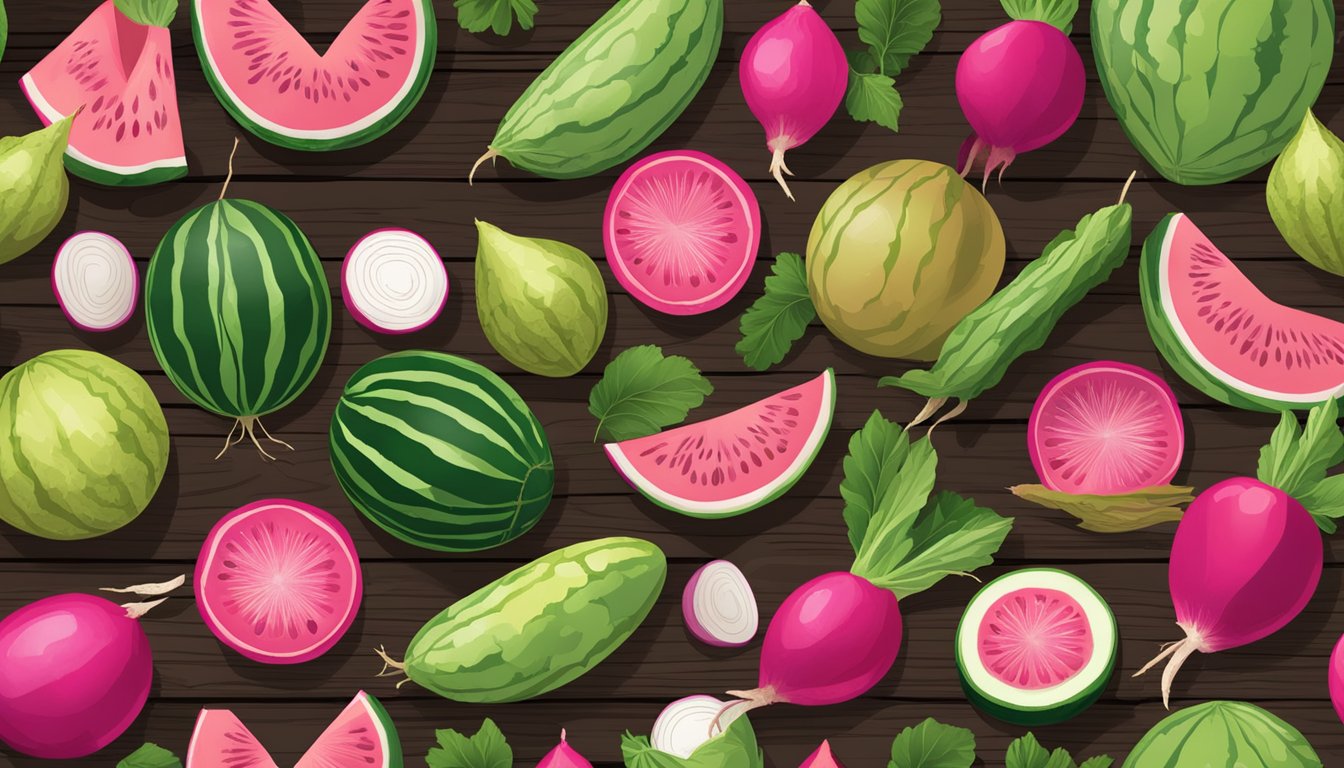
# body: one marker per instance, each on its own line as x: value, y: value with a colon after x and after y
x: 416, y: 177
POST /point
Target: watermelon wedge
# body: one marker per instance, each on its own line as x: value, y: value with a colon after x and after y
x: 121, y: 72
x: 363, y: 735
x: 1225, y: 337
x: 273, y: 82
x: 221, y: 739
x: 736, y: 462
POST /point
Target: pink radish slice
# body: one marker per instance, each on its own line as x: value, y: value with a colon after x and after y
x: 719, y: 606
x: 793, y: 75
x: 564, y: 756
x: 393, y: 281
x: 1105, y: 428
x: 822, y: 758
x: 95, y: 281
x: 687, y: 723
x: 681, y: 232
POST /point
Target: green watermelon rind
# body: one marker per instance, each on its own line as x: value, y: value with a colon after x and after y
x: 740, y: 503
x: 1057, y: 712
x: 1242, y: 732
x: 387, y: 732
x: 234, y: 106
x: 1161, y: 327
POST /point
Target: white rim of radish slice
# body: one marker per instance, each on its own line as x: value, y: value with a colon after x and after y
x: 685, y: 724
x: 393, y: 281
x: 719, y: 606
x: 95, y: 281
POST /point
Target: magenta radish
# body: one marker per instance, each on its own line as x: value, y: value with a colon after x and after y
x: 75, y: 672
x: 1020, y: 87
x: 836, y: 636
x: 687, y: 723
x: 393, y: 281
x: 564, y: 756
x: 95, y: 281
x: 1336, y: 678
x: 719, y: 606
x: 794, y: 75
x: 822, y: 758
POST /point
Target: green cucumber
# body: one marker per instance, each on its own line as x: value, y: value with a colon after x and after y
x: 539, y: 627
x: 613, y: 91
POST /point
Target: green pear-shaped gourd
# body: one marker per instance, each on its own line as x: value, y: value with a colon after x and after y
x: 541, y: 303
x: 33, y: 187
x: 4, y: 29
x: 1306, y: 195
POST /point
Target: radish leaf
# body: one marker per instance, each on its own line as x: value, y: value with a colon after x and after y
x: 954, y: 536
x: 734, y: 748
x: 1296, y: 461
x: 495, y: 15
x: 1026, y: 752
x: 779, y: 317
x: 642, y: 391
x: 932, y: 744
x: 895, y: 30
x: 150, y: 756
x: 486, y: 749
x: 1057, y: 13
x: 872, y: 98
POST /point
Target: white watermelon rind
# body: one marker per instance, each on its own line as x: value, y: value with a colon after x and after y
x: 361, y: 131
x: 1049, y: 705
x: 741, y: 503
x: 1178, y: 348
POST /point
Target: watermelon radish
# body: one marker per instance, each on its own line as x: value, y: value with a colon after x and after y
x: 221, y: 739
x: 120, y: 70
x: 1105, y: 428
x: 273, y: 82
x: 1225, y: 337
x: 95, y: 281
x: 1036, y: 646
x: 736, y: 462
x: 363, y: 735
x: 278, y: 581
x: 681, y: 231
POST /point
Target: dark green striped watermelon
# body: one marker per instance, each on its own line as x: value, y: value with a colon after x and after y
x: 238, y: 311
x: 440, y: 452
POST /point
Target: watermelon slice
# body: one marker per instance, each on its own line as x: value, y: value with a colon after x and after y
x: 121, y: 73
x: 273, y: 82
x: 1225, y: 337
x: 363, y: 735
x: 221, y: 739
x: 736, y: 462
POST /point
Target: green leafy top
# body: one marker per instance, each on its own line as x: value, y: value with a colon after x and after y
x: 932, y: 744
x: 1026, y: 752
x: 903, y: 540
x: 495, y: 15
x: 1296, y: 461
x: 486, y: 749
x: 642, y: 391
x: 893, y: 31
x: 779, y: 317
x: 734, y: 748
x: 150, y: 756
x: 154, y: 13
x: 1058, y: 13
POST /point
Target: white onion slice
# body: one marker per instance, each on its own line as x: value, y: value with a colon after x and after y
x: 719, y: 606
x: 393, y: 281
x: 685, y: 724
x: 95, y: 281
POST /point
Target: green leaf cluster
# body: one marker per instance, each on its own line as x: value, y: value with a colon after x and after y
x: 495, y: 15
x: 487, y: 748
x: 150, y: 756
x: 1058, y: 13
x: 1296, y: 461
x: 734, y: 748
x: 779, y: 317
x: 1026, y: 752
x: 932, y: 744
x: 894, y: 31
x: 642, y: 391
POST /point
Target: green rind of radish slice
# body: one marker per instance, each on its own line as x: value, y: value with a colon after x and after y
x: 1036, y: 647
x: 393, y: 281
x: 362, y: 735
x: 95, y: 281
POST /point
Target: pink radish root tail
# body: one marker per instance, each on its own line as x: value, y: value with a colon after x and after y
x: 1178, y: 652
x: 778, y: 167
x: 995, y: 158
x: 392, y: 668
x: 747, y: 700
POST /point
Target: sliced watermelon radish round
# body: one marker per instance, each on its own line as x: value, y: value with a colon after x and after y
x: 393, y: 281
x: 736, y: 462
x: 1105, y: 428
x: 278, y: 581
x: 220, y: 739
x: 95, y: 281
x: 362, y: 736
x: 1036, y: 646
x: 272, y: 81
x: 681, y: 231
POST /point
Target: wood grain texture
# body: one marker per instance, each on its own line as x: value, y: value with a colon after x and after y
x: 415, y: 177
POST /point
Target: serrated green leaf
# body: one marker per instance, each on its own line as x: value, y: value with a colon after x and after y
x: 642, y: 391
x: 779, y: 317
x: 150, y: 756
x: 896, y: 30
x: 873, y: 98
x: 486, y: 749
x: 1026, y: 752
x: 1325, y: 502
x: 1100, y: 761
x: 952, y: 537
x: 876, y: 454
x: 495, y: 15
x: 1058, y: 13
x: 861, y: 60
x: 1296, y: 460
x: 932, y: 744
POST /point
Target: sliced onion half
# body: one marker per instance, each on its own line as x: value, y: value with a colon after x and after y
x: 719, y: 606
x: 687, y: 723
x: 95, y: 281
x: 393, y: 281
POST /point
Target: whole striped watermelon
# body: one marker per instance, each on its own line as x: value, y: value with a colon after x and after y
x: 440, y: 452
x: 1210, y: 90
x: 238, y: 310
x: 899, y: 254
x: 83, y: 445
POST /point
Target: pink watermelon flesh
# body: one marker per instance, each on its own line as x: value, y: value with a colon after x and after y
x: 736, y: 462
x: 682, y: 230
x: 222, y: 741
x: 1105, y: 428
x: 1239, y: 332
x: 278, y: 581
x: 121, y: 72
x: 362, y: 736
x: 1034, y: 638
